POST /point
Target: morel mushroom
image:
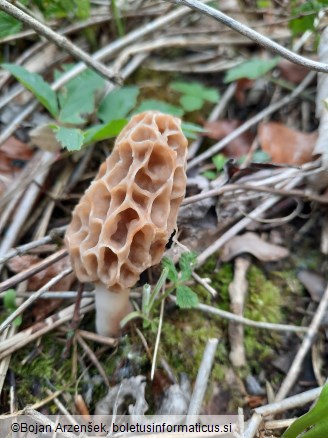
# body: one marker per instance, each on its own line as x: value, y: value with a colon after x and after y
x: 123, y: 221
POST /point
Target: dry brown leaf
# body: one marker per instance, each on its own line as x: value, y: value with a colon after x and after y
x: 292, y: 72
x: 286, y: 145
x: 242, y: 85
x: 221, y: 128
x: 13, y: 154
x: 251, y: 243
x: 314, y: 283
x: 20, y: 263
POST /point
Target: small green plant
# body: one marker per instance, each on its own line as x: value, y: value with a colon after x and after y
x: 313, y: 424
x: 74, y: 105
x: 252, y: 69
x: 71, y: 106
x: 305, y: 14
x: 9, y: 302
x: 194, y: 95
x: 219, y: 161
x: 50, y: 9
x: 186, y: 298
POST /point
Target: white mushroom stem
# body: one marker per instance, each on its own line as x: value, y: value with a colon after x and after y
x: 111, y: 308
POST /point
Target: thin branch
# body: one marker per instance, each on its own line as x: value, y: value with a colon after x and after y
x: 308, y: 340
x: 252, y: 34
x: 249, y: 187
x: 34, y: 269
x: 22, y: 249
x: 33, y: 298
x: 202, y: 378
x: 252, y: 121
x: 239, y: 226
x: 275, y: 408
x: 249, y: 322
x: 59, y: 40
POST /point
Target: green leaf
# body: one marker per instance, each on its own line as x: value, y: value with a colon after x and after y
x: 9, y: 300
x: 35, y: 83
x: 172, y: 273
x: 64, y: 8
x: 102, y: 132
x: 210, y: 174
x: 77, y: 97
x: 8, y: 25
x: 187, y: 263
x: 196, y: 90
x: 253, y: 69
x: 118, y: 103
x: 191, y: 130
x: 186, y: 298
x: 191, y: 103
x: 317, y: 417
x: 305, y: 15
x: 319, y: 430
x: 219, y: 161
x: 211, y: 95
x: 69, y: 138
x: 158, y: 105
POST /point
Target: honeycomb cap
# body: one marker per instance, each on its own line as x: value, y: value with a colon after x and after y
x: 123, y: 221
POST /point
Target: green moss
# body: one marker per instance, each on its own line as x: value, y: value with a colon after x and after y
x: 35, y: 370
x: 264, y: 303
x: 183, y: 340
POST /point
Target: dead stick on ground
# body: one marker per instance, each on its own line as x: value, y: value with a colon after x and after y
x: 278, y: 407
x: 237, y: 292
x: 253, y: 35
x: 34, y: 269
x: 306, y: 345
x: 202, y: 378
x: 54, y: 234
x: 25, y: 336
x: 93, y: 358
x: 253, y: 121
x: 59, y: 40
x: 33, y: 298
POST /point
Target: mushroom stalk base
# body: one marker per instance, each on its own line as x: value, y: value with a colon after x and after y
x: 111, y: 308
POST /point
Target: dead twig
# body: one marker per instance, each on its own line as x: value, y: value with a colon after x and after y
x: 59, y: 40
x: 249, y: 322
x: 251, y: 34
x: 278, y: 407
x: 202, y: 378
x: 28, y: 335
x: 33, y: 298
x: 34, y: 269
x: 54, y: 235
x: 237, y: 293
x: 93, y: 358
x: 308, y: 340
x: 253, y: 121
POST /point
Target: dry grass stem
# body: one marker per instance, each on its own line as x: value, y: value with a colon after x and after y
x: 202, y: 377
x: 278, y: 407
x: 34, y: 269
x: 252, y: 121
x: 34, y: 332
x: 307, y: 342
x: 93, y: 358
x: 237, y: 293
x: 249, y: 322
x: 33, y: 298
x: 54, y: 235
